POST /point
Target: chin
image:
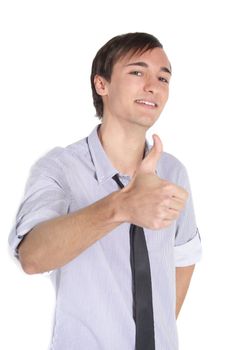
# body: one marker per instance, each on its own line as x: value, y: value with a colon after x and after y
x: 148, y: 120
x: 145, y: 124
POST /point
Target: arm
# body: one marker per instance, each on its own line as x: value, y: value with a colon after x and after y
x: 53, y: 243
x: 147, y: 201
x: 183, y: 278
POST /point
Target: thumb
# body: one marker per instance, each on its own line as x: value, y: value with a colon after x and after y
x: 149, y: 163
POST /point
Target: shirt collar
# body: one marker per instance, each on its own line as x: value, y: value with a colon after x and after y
x: 103, y: 166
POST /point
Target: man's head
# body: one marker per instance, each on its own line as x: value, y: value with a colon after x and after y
x: 114, y: 50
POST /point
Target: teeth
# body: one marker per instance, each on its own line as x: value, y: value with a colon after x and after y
x: 146, y: 103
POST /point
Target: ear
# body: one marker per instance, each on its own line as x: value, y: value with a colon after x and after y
x: 100, y: 85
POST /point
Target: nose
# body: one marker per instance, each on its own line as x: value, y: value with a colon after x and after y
x: 151, y: 85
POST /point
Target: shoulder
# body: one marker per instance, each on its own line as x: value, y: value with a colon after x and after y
x: 59, y: 155
x: 172, y: 169
x: 170, y: 162
x: 56, y: 164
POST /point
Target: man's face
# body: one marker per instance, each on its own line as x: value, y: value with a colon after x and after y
x: 139, y: 88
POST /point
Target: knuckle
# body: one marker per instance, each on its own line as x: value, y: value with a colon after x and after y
x: 166, y: 183
x: 186, y: 194
x: 168, y: 187
x: 166, y: 202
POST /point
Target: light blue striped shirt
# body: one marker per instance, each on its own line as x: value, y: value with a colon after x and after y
x: 94, y: 297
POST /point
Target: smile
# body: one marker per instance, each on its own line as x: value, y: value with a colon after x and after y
x: 147, y: 103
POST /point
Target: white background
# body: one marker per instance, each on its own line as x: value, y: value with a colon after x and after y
x: 46, y: 52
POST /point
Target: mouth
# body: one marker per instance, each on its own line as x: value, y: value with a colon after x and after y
x: 147, y: 104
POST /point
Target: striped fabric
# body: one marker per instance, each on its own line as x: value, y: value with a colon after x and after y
x: 94, y: 297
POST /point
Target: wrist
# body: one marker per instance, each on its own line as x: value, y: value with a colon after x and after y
x: 120, y: 212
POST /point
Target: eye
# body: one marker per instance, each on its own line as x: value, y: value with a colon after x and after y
x: 164, y: 80
x: 136, y: 72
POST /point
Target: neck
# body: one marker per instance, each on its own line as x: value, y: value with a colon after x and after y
x: 123, y: 144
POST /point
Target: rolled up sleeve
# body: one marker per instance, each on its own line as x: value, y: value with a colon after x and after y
x: 46, y: 196
x: 188, y: 253
x: 188, y: 249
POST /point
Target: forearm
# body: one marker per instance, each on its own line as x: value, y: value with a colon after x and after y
x: 55, y: 242
x: 183, y: 278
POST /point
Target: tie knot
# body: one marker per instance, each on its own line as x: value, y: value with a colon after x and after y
x: 118, y: 181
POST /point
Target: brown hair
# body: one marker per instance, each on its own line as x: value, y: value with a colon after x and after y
x: 111, y: 52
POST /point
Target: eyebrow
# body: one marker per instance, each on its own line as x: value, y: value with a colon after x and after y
x: 144, y: 64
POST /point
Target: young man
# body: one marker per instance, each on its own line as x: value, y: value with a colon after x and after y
x: 111, y: 216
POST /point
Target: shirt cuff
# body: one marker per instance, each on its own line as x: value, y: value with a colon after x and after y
x: 189, y: 253
x: 17, y: 236
x: 26, y: 223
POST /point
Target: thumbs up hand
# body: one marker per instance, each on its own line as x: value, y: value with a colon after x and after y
x: 149, y: 201
x: 149, y: 163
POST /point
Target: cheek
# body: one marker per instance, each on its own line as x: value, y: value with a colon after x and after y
x: 119, y: 98
x: 117, y: 89
x: 123, y: 93
x: 165, y: 94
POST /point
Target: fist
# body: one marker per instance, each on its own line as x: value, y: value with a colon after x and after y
x: 150, y: 201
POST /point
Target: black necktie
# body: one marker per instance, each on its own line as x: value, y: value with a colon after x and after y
x: 142, y: 291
